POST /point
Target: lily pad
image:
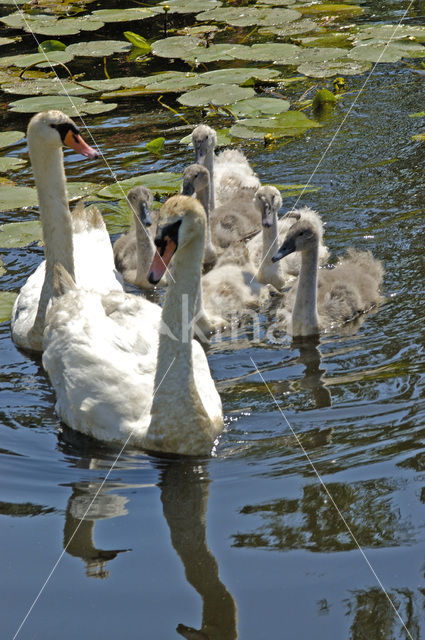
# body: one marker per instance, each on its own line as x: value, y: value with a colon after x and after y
x: 333, y: 68
x: 2, y: 267
x: 9, y: 138
x: 217, y: 94
x: 16, y: 197
x: 305, y: 25
x: 160, y: 183
x: 278, y: 52
x: 125, y: 15
x: 336, y: 39
x: 291, y: 123
x: 51, y: 45
x: 248, y: 16
x: 98, y: 48
x: 254, y: 107
x: 78, y: 106
x: 80, y: 189
x: 51, y: 25
x: 6, y: 41
x: 237, y: 75
x: 139, y: 42
x: 42, y: 59
x: 8, y: 162
x: 188, y: 6
x: 175, y: 84
x: 328, y: 9
x: 7, y: 299
x: 175, y: 46
x: 20, y: 234
x: 389, y: 32
x: 45, y: 86
x: 390, y: 52
x: 156, y: 145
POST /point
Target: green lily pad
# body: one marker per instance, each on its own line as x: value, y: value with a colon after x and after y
x: 6, y: 41
x: 390, y: 52
x: 80, y: 189
x: 419, y: 137
x: 156, y: 145
x: 14, y: 235
x: 254, y: 107
x: 237, y: 75
x: 217, y: 94
x: 8, y: 162
x: 326, y: 40
x: 175, y: 46
x: 247, y: 16
x: 98, y: 48
x: 9, y: 138
x: 213, y: 53
x: 139, y: 42
x: 2, y: 267
x: 334, y: 9
x: 278, y: 52
x: 418, y: 114
x: 305, y: 25
x: 51, y: 25
x: 12, y: 197
x: 188, y: 6
x: 79, y: 106
x: 42, y: 59
x: 160, y: 183
x: 389, y: 32
x: 291, y: 123
x: 45, y: 86
x: 333, y: 68
x: 176, y: 84
x: 125, y: 15
x: 51, y: 45
x: 7, y: 299
x: 111, y: 84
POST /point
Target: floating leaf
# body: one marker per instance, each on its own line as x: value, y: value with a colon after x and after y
x: 16, y: 197
x: 80, y: 189
x: 418, y: 114
x: 326, y: 40
x: 291, y: 123
x: 175, y: 46
x: 254, y: 107
x: 156, y: 145
x: 390, y: 52
x: 160, y: 183
x: 2, y: 267
x: 6, y: 41
x: 217, y: 94
x: 188, y: 6
x: 51, y: 25
x: 8, y: 162
x: 51, y: 45
x: 78, y: 106
x: 247, y: 16
x: 323, y: 97
x: 175, y: 84
x: 139, y: 42
x: 237, y: 75
x: 20, y: 234
x: 333, y: 68
x: 419, y: 136
x: 389, y: 32
x: 334, y: 9
x: 269, y: 52
x: 7, y: 299
x: 42, y: 59
x: 9, y: 138
x: 305, y: 25
x: 125, y: 15
x: 98, y: 48
x: 45, y: 86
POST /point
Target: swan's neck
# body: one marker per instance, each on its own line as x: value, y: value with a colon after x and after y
x: 209, y: 164
x: 179, y: 422
x: 49, y: 174
x: 210, y: 254
x: 305, y: 320
x: 271, y: 272
x: 145, y: 250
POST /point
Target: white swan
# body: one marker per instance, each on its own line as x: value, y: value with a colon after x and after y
x: 230, y: 172
x: 66, y: 239
x: 321, y: 300
x: 134, y: 250
x: 121, y: 371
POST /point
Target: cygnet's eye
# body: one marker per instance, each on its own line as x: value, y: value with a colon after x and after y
x: 301, y: 233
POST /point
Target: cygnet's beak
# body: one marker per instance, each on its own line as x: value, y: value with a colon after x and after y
x: 188, y: 189
x: 287, y: 248
x: 145, y: 214
x: 266, y: 216
x: 76, y: 142
x: 200, y: 156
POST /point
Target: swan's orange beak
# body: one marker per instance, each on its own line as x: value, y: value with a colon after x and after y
x: 76, y: 142
x: 161, y: 262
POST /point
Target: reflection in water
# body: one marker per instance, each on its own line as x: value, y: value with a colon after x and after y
x: 311, y: 358
x: 78, y: 534
x: 184, y: 494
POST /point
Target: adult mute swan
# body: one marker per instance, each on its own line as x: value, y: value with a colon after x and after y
x: 66, y: 238
x: 323, y: 299
x: 134, y: 250
x: 230, y: 172
x: 124, y: 372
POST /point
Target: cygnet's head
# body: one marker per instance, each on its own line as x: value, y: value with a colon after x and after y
x: 140, y: 200
x: 204, y: 141
x: 268, y: 200
x: 182, y: 221
x: 304, y: 235
x: 196, y: 178
x: 52, y: 129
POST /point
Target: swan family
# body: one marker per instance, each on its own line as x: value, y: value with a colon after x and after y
x: 125, y: 370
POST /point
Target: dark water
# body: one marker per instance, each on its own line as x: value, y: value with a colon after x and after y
x: 249, y: 544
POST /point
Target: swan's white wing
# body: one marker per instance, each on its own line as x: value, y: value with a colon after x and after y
x: 25, y: 307
x: 101, y: 368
